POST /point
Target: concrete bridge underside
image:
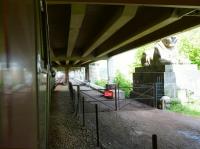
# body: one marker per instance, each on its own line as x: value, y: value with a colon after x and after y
x: 84, y: 32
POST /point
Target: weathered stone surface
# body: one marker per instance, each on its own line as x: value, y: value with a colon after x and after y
x: 164, y: 53
x: 182, y: 81
x: 164, y: 64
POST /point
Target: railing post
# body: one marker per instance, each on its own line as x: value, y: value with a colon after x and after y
x: 72, y: 93
x: 78, y: 92
x: 116, y: 107
x: 83, y: 112
x: 74, y: 103
x: 97, y: 123
x: 73, y: 99
x: 155, y: 95
x: 154, y: 141
x: 118, y: 103
x: 78, y: 98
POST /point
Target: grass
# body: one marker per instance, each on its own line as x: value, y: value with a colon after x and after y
x: 124, y: 84
x: 191, y: 109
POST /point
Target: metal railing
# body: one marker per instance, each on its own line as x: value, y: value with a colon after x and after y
x: 90, y: 112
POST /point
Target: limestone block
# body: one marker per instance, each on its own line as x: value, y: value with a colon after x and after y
x: 182, y: 81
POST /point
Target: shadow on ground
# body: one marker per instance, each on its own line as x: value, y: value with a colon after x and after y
x: 65, y: 132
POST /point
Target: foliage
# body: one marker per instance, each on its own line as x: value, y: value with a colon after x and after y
x: 101, y: 83
x: 124, y: 84
x: 188, y: 109
x: 190, y: 50
x: 189, y: 44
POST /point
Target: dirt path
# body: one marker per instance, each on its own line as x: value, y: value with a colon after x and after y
x: 65, y: 130
x: 133, y: 129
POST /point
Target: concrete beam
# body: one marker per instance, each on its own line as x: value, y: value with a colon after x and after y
x: 76, y: 62
x: 119, y: 20
x: 86, y: 62
x: 167, y: 3
x: 57, y: 62
x: 64, y: 67
x: 188, y: 24
x: 74, y: 58
x: 162, y: 22
x: 77, y: 17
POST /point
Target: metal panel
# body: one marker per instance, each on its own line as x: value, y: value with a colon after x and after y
x: 18, y: 96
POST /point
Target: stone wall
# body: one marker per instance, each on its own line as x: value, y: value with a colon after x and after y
x: 182, y: 81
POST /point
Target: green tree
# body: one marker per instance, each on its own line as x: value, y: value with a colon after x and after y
x: 191, y: 51
x: 189, y: 45
x: 124, y: 84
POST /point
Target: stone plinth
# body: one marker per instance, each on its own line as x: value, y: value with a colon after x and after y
x: 148, y: 74
x: 182, y: 81
x: 144, y: 80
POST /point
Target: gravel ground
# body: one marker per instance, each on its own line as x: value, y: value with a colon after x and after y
x: 132, y: 126
x: 65, y: 131
x: 134, y: 129
x: 129, y: 128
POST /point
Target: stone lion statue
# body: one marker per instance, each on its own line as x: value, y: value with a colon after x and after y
x: 164, y: 52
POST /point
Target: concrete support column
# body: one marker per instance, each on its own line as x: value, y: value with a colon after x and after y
x: 87, y: 74
x: 66, y: 75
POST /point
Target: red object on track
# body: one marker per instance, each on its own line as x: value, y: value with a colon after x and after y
x: 108, y: 94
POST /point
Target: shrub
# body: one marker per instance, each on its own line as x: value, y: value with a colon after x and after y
x: 176, y: 106
x: 101, y: 83
x: 175, y: 102
x: 124, y: 84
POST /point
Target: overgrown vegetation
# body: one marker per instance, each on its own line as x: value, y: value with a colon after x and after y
x: 101, y: 83
x: 124, y: 84
x: 188, y: 109
x: 189, y: 45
